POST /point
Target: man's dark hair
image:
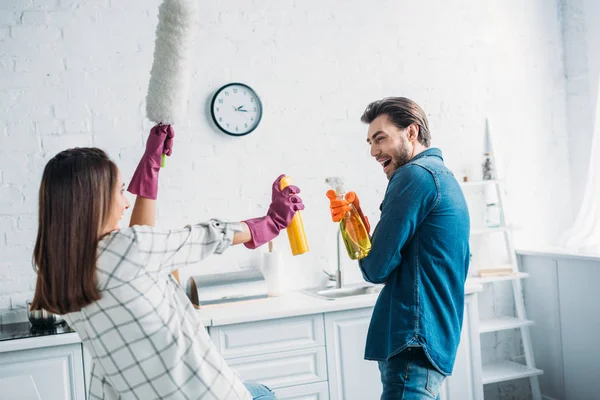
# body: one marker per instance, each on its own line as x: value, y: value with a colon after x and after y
x: 402, y: 113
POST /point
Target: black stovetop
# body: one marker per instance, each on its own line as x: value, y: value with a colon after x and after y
x: 23, y: 330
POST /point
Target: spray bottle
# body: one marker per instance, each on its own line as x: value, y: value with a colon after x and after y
x: 295, y: 229
x: 353, y: 231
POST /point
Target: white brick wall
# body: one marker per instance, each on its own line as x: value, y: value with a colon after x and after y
x: 75, y: 73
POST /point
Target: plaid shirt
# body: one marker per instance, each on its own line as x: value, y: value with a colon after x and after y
x: 144, y: 335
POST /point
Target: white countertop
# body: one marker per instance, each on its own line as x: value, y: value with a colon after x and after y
x: 289, y: 305
x: 39, y: 341
x: 559, y: 252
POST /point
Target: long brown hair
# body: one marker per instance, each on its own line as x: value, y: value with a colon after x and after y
x: 74, y: 202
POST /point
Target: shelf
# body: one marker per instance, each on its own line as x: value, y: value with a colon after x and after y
x: 485, y: 231
x: 507, y: 371
x: 479, y: 183
x: 498, y: 278
x: 502, y: 324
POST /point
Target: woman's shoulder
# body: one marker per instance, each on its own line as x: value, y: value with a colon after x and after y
x: 127, y: 234
x: 119, y: 258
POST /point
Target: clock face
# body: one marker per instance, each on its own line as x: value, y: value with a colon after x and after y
x: 236, y: 109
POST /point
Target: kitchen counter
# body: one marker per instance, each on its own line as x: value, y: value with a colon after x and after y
x: 559, y: 252
x: 21, y: 336
x: 289, y: 305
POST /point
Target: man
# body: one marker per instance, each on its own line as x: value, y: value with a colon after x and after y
x: 420, y: 250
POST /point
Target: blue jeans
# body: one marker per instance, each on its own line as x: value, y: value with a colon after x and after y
x: 410, y: 376
x: 259, y: 391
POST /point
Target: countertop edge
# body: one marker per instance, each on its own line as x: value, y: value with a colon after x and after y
x: 39, y: 342
x: 293, y: 304
x: 557, y: 252
x: 312, y: 306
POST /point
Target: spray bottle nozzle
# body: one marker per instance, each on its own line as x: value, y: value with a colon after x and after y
x: 336, y: 183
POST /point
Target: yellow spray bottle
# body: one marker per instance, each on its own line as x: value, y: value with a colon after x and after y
x: 353, y: 231
x: 295, y: 229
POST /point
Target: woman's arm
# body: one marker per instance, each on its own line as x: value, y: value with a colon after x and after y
x: 189, y: 245
x: 144, y: 182
x: 244, y: 236
x: 177, y: 248
x: 144, y: 212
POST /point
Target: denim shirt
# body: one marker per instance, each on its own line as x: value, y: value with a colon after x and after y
x: 420, y: 250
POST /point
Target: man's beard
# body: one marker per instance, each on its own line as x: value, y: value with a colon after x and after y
x: 403, y: 156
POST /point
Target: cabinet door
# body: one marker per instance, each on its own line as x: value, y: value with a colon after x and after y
x: 271, y: 336
x: 286, y: 368
x: 56, y: 372
x: 315, y: 391
x: 465, y: 382
x: 579, y: 324
x: 351, y: 377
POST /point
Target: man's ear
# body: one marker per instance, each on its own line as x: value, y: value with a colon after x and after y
x: 412, y: 133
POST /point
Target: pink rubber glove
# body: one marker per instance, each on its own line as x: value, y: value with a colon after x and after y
x: 284, y: 204
x: 144, y: 182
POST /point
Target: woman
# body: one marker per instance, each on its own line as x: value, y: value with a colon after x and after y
x: 114, y: 286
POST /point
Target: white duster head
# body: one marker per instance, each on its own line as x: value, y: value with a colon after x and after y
x: 170, y: 75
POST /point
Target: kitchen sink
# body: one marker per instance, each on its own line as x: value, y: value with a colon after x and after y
x: 348, y: 291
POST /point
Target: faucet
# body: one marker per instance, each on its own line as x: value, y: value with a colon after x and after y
x: 337, y: 277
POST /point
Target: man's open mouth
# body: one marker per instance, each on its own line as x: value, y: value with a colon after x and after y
x: 385, y: 163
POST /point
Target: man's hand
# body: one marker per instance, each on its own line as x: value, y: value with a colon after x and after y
x: 339, y: 207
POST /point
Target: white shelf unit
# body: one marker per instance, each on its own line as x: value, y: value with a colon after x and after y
x: 502, y: 324
x: 506, y: 370
x: 498, y: 278
x: 485, y: 231
x: 479, y: 183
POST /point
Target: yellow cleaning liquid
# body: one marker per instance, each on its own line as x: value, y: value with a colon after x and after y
x: 354, y: 233
x: 295, y: 230
x: 353, y: 230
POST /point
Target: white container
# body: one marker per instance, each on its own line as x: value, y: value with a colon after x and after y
x: 272, y: 270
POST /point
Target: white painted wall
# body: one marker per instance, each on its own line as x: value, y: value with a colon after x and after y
x: 75, y: 73
x: 581, y: 36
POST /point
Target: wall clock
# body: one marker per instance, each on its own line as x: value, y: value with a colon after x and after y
x: 236, y: 109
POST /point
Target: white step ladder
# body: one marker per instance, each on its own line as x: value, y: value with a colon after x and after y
x: 505, y: 370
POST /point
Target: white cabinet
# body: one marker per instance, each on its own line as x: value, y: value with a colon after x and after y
x: 282, y: 369
x: 286, y: 354
x: 314, y: 391
x: 56, y: 372
x: 351, y: 377
x: 561, y: 297
x: 270, y: 336
x: 309, y: 357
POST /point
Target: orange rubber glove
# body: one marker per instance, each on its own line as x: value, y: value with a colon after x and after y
x: 339, y: 207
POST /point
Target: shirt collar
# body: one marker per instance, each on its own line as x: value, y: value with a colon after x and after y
x: 433, y: 151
